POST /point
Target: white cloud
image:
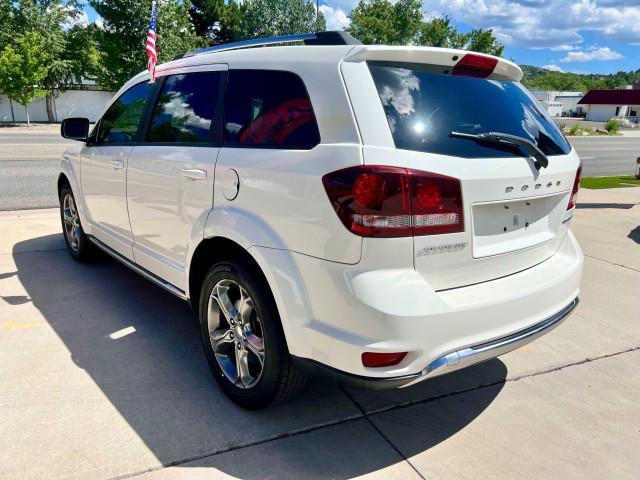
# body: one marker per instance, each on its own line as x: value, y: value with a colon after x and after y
x: 593, y: 53
x: 99, y: 21
x: 563, y: 48
x: 548, y: 24
x: 336, y: 17
x: 552, y: 68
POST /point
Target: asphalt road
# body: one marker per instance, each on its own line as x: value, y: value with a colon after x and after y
x: 29, y: 164
x: 607, y: 155
x: 29, y: 167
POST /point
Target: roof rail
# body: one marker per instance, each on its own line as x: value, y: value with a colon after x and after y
x: 319, y: 38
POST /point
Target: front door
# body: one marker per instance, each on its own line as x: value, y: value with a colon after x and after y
x: 170, y: 174
x: 104, y: 169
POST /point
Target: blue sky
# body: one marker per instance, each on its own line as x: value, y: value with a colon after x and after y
x: 582, y: 36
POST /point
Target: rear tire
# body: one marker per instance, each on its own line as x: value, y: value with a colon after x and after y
x: 240, y: 325
x: 79, y: 246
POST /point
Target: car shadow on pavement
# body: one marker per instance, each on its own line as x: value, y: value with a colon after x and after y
x: 141, y: 347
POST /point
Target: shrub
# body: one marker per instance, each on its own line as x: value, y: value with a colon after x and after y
x: 574, y: 129
x: 612, y: 126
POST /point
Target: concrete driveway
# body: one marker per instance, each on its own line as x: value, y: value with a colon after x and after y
x: 102, y: 376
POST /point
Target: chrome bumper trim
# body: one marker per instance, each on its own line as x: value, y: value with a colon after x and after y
x: 486, y: 351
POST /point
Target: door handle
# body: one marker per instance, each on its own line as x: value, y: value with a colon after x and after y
x: 117, y: 164
x: 193, y: 173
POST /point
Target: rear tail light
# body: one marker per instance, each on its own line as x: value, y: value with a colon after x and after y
x: 378, y: 201
x: 574, y: 190
x: 382, y: 359
x: 473, y: 65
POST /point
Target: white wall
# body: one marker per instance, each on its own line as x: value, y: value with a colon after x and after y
x: 81, y: 103
x: 37, y: 110
x: 67, y: 103
x: 569, y: 103
x: 554, y: 108
x: 601, y: 113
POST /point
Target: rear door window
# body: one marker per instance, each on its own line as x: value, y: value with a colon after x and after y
x: 423, y: 108
x: 268, y: 109
x: 185, y: 108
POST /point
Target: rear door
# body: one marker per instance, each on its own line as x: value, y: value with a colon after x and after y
x: 515, y: 216
x: 170, y: 173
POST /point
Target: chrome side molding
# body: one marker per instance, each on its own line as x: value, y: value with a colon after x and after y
x: 139, y: 270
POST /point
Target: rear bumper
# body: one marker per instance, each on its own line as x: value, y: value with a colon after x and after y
x: 345, y: 310
x: 449, y: 362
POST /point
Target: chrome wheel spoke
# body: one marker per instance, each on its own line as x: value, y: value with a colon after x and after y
x: 244, y: 377
x: 254, y: 345
x: 219, y: 338
x: 221, y: 296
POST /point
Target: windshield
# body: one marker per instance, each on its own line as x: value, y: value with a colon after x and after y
x: 424, y: 107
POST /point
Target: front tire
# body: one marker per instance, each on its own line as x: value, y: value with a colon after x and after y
x: 77, y: 242
x: 243, y: 339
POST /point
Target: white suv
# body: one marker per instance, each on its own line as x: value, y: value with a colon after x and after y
x: 386, y: 214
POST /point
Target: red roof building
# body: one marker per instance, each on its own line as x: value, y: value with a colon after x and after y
x: 601, y: 105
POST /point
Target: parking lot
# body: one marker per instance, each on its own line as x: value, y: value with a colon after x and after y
x: 102, y: 376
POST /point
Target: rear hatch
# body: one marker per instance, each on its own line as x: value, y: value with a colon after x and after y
x: 515, y: 212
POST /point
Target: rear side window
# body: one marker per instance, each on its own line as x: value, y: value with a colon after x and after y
x: 185, y: 108
x: 423, y: 108
x: 268, y: 109
x: 121, y: 121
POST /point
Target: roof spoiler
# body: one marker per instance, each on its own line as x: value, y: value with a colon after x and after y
x: 453, y: 62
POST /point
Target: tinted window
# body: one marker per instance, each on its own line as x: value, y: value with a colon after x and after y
x: 121, y: 122
x: 266, y: 108
x: 423, y: 108
x: 185, y: 108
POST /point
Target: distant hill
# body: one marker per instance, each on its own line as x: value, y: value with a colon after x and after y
x: 538, y: 77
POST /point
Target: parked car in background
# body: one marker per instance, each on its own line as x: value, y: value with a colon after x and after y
x: 383, y: 214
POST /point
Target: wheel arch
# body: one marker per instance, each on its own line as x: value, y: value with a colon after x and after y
x: 277, y: 270
x: 62, y: 180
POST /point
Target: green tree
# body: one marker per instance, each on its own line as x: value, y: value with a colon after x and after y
x: 440, y: 32
x: 53, y: 21
x: 206, y: 16
x: 384, y: 22
x: 403, y: 23
x: 122, y: 41
x: 22, y: 69
x: 483, y: 41
x: 264, y: 18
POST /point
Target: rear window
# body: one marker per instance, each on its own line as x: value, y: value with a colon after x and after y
x: 424, y: 107
x: 268, y: 109
x: 185, y: 108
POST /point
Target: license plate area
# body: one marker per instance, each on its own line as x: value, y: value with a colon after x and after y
x: 507, y: 226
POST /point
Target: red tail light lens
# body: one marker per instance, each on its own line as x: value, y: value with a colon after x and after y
x: 377, y: 201
x: 380, y: 359
x: 576, y: 187
x: 473, y: 65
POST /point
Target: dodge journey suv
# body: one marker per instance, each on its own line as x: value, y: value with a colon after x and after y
x: 383, y: 214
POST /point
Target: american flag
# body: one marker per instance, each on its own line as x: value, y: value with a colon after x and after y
x: 152, y: 56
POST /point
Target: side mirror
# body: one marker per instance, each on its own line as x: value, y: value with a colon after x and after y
x: 75, y: 128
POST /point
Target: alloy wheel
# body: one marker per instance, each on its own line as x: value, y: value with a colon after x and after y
x: 71, y: 222
x: 236, y: 334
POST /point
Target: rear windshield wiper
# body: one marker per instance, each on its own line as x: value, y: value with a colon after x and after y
x: 498, y: 138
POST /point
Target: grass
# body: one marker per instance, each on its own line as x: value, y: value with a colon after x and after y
x: 609, y: 182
